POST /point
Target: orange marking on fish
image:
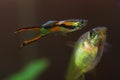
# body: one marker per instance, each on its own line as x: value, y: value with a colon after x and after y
x: 34, y: 29
x: 26, y: 42
x: 29, y: 28
x: 57, y: 28
x: 21, y: 30
x: 87, y: 47
x: 68, y: 23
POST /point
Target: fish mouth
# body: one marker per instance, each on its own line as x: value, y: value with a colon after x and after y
x: 104, y: 29
x: 84, y: 23
x: 101, y: 31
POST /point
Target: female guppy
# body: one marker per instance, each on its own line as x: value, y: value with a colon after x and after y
x: 87, y: 53
x: 63, y: 26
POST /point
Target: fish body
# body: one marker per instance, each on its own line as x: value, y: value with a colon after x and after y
x: 64, y: 26
x: 88, y: 52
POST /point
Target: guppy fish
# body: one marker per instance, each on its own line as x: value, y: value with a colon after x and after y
x: 63, y: 26
x: 88, y: 52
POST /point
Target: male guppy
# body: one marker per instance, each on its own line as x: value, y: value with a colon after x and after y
x: 87, y: 53
x: 63, y: 26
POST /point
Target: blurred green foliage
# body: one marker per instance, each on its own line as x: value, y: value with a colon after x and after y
x: 30, y: 71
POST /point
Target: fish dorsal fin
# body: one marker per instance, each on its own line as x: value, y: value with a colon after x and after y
x: 49, y: 23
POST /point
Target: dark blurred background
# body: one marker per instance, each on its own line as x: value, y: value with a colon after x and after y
x: 16, y: 14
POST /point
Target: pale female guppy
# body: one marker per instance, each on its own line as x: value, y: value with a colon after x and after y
x: 87, y: 53
x: 63, y: 26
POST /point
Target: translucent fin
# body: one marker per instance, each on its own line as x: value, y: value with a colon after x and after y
x: 27, y: 28
x: 49, y: 23
x: 71, y: 44
x: 26, y: 42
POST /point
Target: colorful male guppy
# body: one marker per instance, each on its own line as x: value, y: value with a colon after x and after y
x: 63, y: 26
x: 87, y: 53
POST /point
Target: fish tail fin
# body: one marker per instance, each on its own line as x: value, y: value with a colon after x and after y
x: 27, y: 28
x: 26, y: 42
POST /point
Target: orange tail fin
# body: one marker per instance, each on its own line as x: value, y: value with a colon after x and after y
x: 26, y: 42
x: 28, y: 28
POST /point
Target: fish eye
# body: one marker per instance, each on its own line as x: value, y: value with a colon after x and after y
x: 93, y: 34
x: 82, y: 22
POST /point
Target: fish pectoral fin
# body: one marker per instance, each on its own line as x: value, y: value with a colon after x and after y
x: 71, y: 44
x: 27, y: 28
x: 26, y: 42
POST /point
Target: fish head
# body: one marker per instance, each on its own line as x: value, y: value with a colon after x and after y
x: 78, y: 24
x: 94, y: 40
x: 97, y: 36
